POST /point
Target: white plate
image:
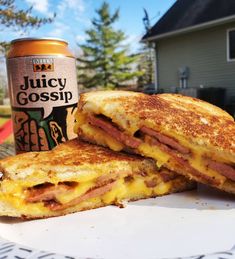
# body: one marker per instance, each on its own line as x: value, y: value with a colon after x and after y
x: 184, y: 224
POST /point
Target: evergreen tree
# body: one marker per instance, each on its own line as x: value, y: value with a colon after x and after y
x: 105, y: 61
x: 146, y: 65
x: 146, y: 61
x: 11, y: 16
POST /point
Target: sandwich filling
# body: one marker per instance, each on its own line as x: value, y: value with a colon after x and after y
x: 175, y: 152
x: 101, y: 178
x: 62, y: 197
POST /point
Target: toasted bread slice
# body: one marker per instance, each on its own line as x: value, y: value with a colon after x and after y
x: 78, y: 176
x: 184, y: 134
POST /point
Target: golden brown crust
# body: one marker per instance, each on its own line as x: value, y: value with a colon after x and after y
x: 61, y: 155
x: 196, y: 120
x: 71, y: 156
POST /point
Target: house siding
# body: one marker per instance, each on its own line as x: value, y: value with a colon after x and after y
x: 204, y: 52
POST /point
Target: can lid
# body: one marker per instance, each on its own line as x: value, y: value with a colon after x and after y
x: 38, y: 39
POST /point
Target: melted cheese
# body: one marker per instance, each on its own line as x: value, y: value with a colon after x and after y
x: 93, y: 133
x: 162, y: 188
x: 155, y: 153
x: 196, y: 161
x: 14, y: 194
x: 129, y: 124
x: 117, y: 193
x: 138, y: 188
x: 76, y: 192
x: 162, y: 158
x: 101, y: 137
x: 135, y: 189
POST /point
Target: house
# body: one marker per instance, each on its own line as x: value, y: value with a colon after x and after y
x: 194, y: 45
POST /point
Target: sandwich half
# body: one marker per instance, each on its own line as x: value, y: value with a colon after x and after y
x: 78, y: 176
x: 189, y: 136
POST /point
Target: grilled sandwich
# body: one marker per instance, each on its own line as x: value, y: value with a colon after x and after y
x: 189, y: 136
x: 78, y: 176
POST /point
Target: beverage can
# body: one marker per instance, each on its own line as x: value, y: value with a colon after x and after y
x: 43, y: 92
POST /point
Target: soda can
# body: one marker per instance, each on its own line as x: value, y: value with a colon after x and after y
x: 43, y: 92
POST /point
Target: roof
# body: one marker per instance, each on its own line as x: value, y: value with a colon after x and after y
x: 185, y: 14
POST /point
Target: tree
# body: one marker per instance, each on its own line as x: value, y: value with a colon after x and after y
x: 105, y: 61
x: 11, y: 16
x: 146, y: 64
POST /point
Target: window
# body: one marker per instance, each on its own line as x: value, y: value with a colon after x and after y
x: 231, y: 45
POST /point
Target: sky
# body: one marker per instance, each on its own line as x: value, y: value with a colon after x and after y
x: 73, y: 17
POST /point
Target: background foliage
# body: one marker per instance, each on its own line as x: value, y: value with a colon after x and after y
x: 105, y: 61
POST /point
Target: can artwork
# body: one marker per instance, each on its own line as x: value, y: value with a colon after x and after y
x: 43, y: 92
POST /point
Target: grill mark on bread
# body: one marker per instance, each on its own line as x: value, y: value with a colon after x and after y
x: 113, y: 131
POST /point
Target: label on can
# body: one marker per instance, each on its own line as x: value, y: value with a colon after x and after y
x: 44, y: 96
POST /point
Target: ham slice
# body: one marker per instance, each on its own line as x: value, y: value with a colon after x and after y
x: 47, y: 192
x: 165, y: 140
x: 167, y: 175
x: 110, y: 129
x: 88, y: 195
x: 167, y: 144
x: 224, y: 169
x: 151, y: 183
x: 183, y: 163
